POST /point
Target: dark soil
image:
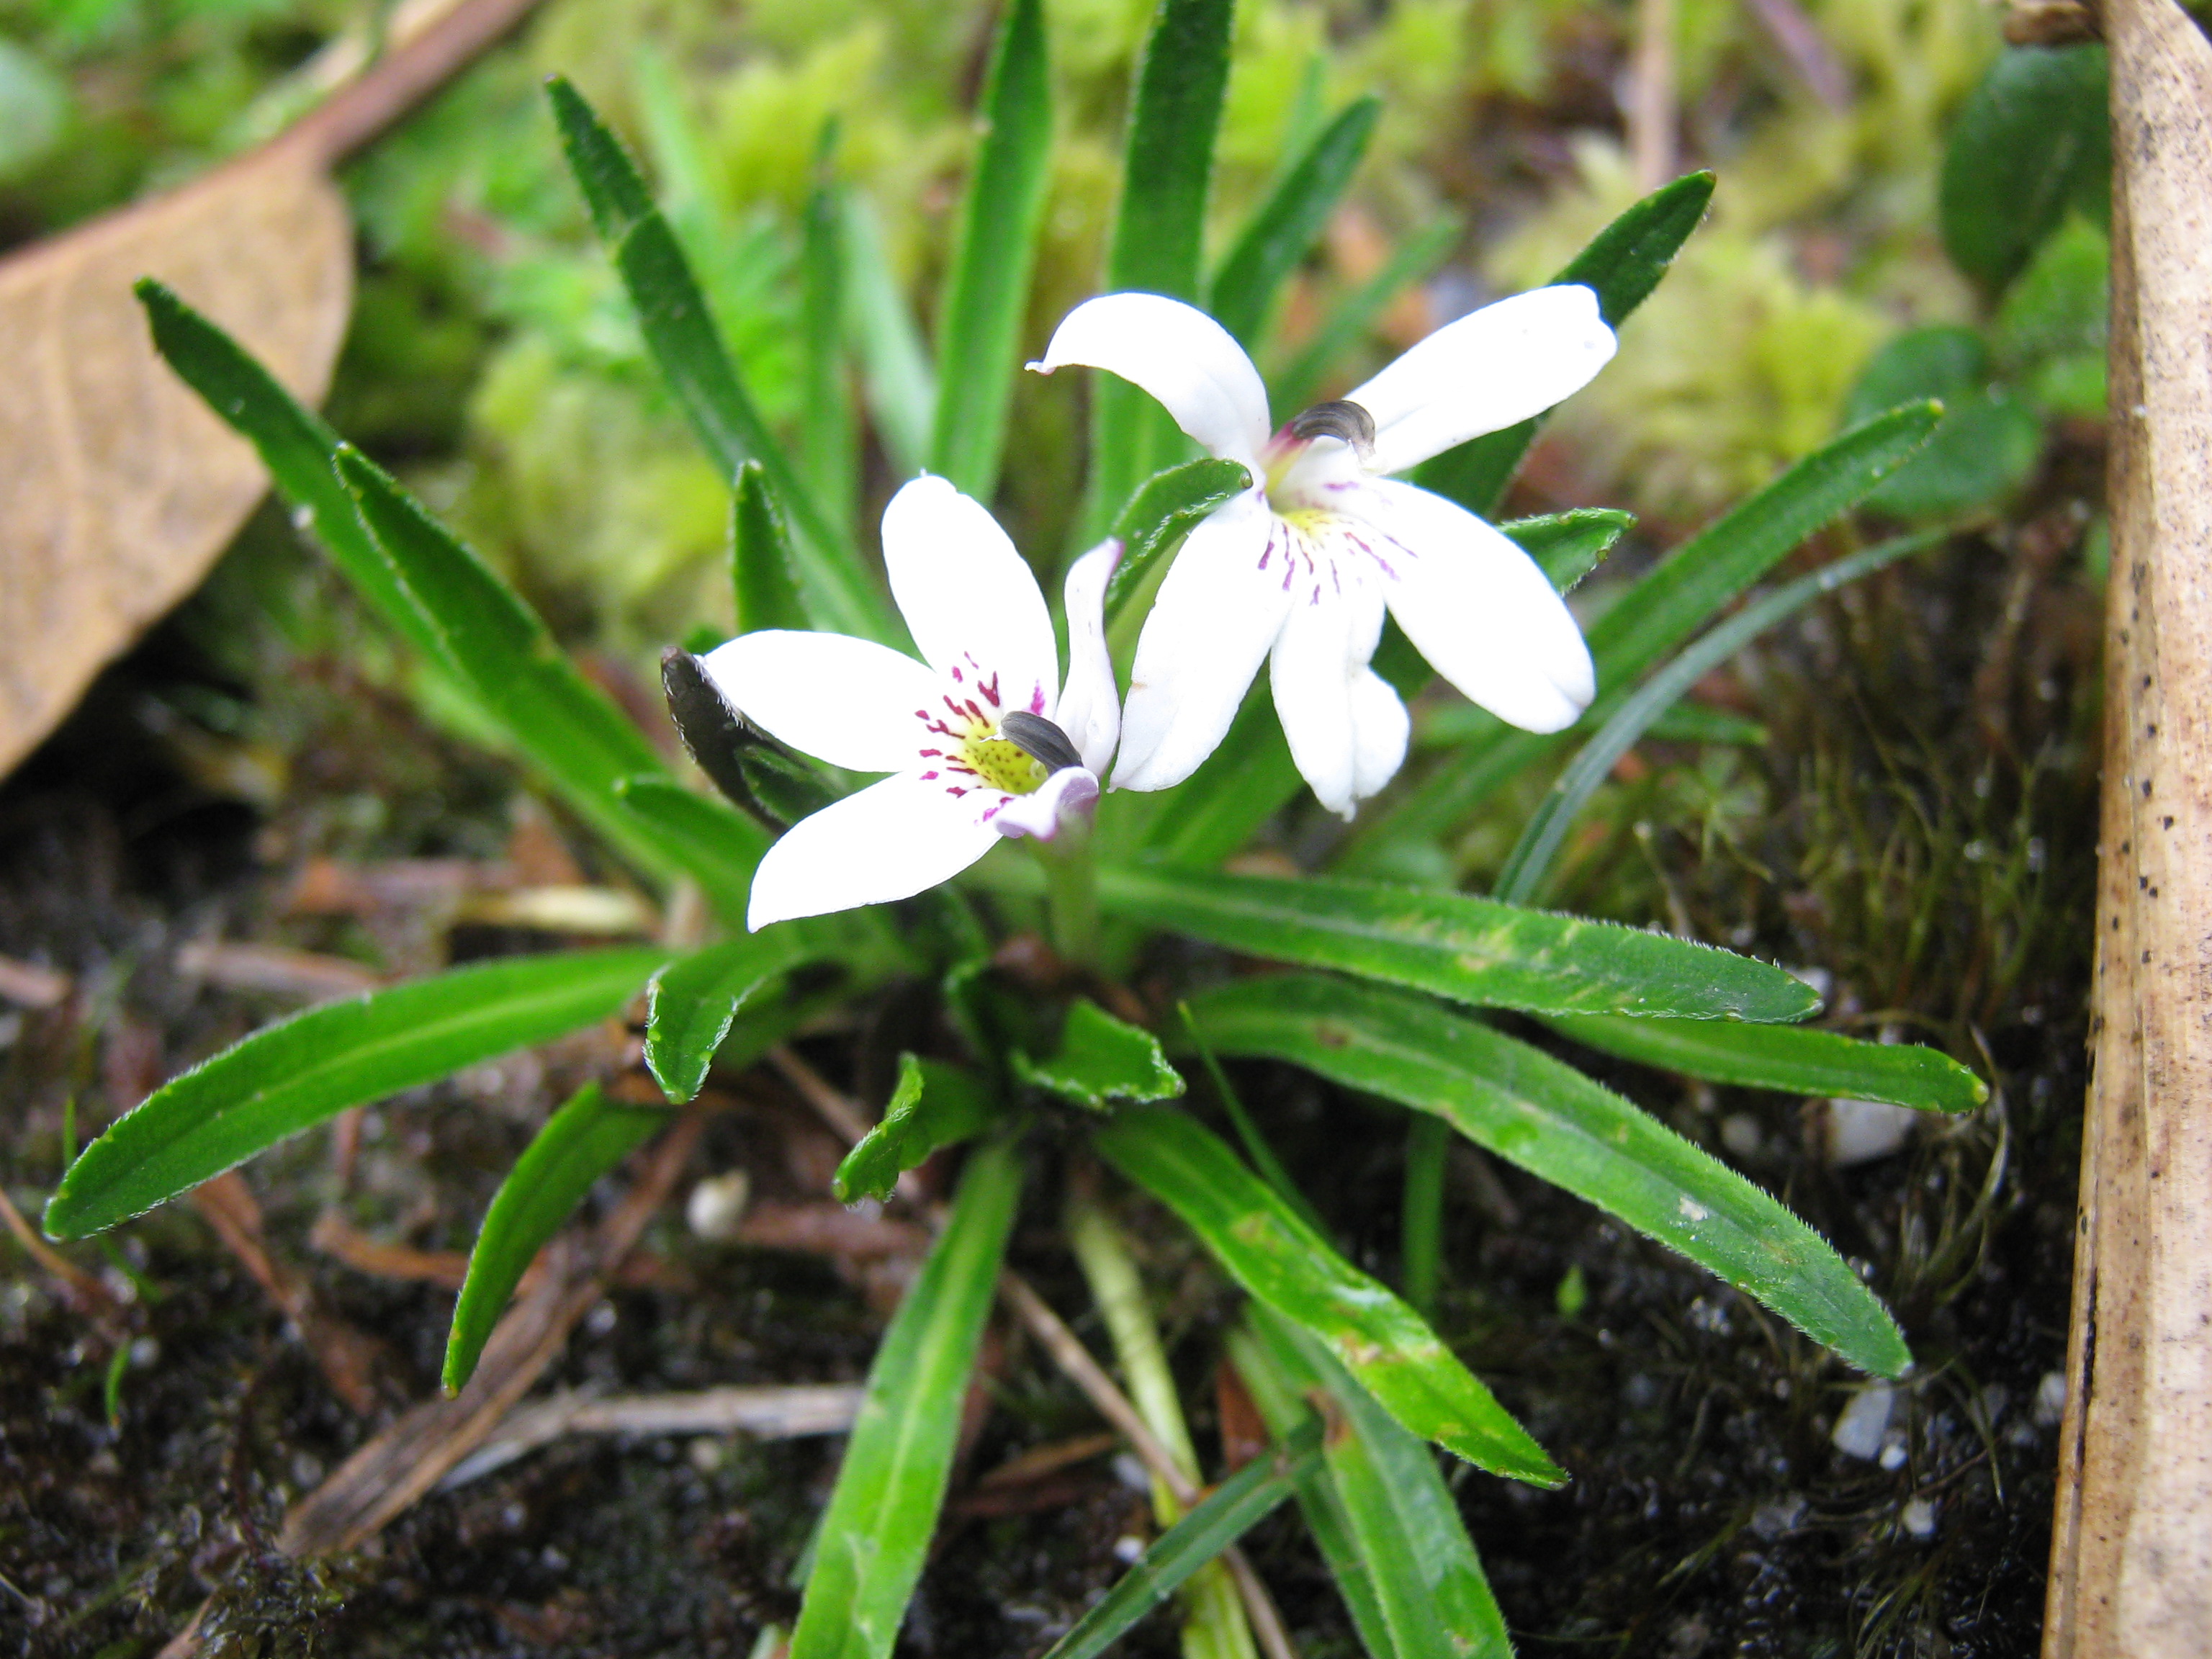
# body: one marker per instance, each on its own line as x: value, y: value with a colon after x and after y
x: 1921, y: 830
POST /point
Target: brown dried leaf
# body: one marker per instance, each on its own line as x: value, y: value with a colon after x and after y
x: 117, y: 486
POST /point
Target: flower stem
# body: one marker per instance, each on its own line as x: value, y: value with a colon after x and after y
x: 1071, y: 894
x: 1214, y: 1626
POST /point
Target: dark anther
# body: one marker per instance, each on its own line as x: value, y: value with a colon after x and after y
x: 1339, y: 418
x: 710, y: 728
x: 1039, y: 739
x: 755, y: 771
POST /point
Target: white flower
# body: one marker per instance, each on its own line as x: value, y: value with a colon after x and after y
x: 979, y: 743
x: 1299, y: 569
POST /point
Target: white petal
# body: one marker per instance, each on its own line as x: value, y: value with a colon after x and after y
x: 849, y: 702
x: 1089, y: 708
x: 1325, y: 644
x: 971, y: 601
x: 889, y: 841
x: 1490, y: 369
x: 1478, y: 609
x: 1218, y: 609
x: 1379, y: 727
x: 1185, y: 359
x: 1071, y: 790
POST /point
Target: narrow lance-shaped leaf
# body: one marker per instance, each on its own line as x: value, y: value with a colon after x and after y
x: 301, y: 452
x: 1101, y: 1059
x: 841, y: 595
x: 1160, y: 515
x: 1789, y: 1058
x: 1285, y: 226
x: 762, y: 566
x: 1273, y: 1254
x: 1251, y: 774
x: 987, y: 294
x: 1522, y: 880
x: 1167, y: 167
x: 510, y: 661
x: 934, y: 1105
x: 718, y: 847
x: 1429, y: 1590
x: 1281, y: 1407
x: 1622, y: 265
x: 1224, y: 1515
x: 694, y: 998
x: 292, y: 1075
x: 895, y: 376
x: 579, y: 1143
x: 1698, y: 581
x: 829, y: 440
x: 297, y: 447
x: 1471, y: 949
x: 1552, y: 1121
x: 876, y: 1532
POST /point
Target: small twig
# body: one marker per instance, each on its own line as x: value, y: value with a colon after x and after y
x: 834, y: 1107
x: 1074, y: 1361
x: 240, y: 966
x: 83, y: 1287
x: 1651, y: 95
x: 766, y: 1413
x: 1106, y: 1397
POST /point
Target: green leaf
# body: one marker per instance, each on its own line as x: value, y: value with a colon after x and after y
x: 296, y: 446
x: 1273, y: 1254
x: 1568, y: 546
x: 762, y: 562
x: 1984, y: 448
x: 1409, y: 1553
x: 1160, y: 515
x: 876, y: 1532
x: 1622, y: 266
x: 934, y: 1105
x: 840, y: 593
x: 986, y: 294
x: 2029, y: 140
x: 829, y: 439
x: 1224, y: 1515
x: 290, y: 1076
x: 719, y: 849
x: 570, y: 729
x: 1174, y: 111
x: 1102, y: 1059
x: 1251, y: 774
x: 1521, y: 880
x: 1552, y: 1121
x: 693, y: 1000
x: 895, y: 377
x: 578, y: 1144
x: 1301, y: 380
x: 1794, y: 1060
x: 1471, y: 949
x: 1663, y: 609
x: 1285, y: 226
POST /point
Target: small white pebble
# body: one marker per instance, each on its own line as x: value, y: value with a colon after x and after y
x: 1128, y: 1549
x: 1777, y: 1516
x: 1131, y: 1473
x: 1859, y: 1431
x: 1860, y: 1131
x: 705, y: 1453
x: 1918, y: 1517
x: 1740, y: 1134
x: 1893, y: 1453
x: 716, y: 1207
x: 2051, y: 1399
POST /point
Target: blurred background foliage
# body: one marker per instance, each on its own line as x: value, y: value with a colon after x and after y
x: 492, y: 360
